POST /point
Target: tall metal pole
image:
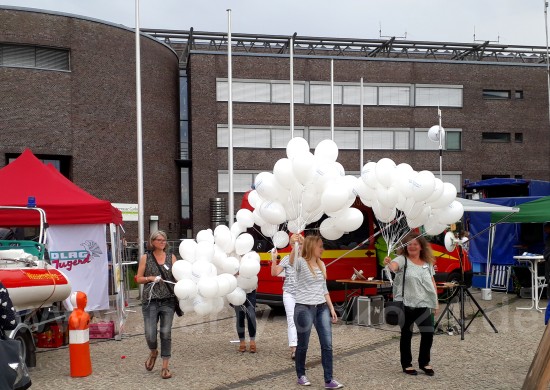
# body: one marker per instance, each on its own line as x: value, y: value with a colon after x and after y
x: 440, y: 145
x: 141, y: 223
x: 292, y: 87
x: 547, y: 60
x: 332, y: 99
x: 361, y: 135
x: 231, y: 200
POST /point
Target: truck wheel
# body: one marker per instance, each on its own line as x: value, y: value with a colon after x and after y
x: 454, y: 277
x: 29, y: 350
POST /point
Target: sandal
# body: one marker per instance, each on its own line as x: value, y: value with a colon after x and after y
x: 165, y: 373
x: 252, y: 346
x: 150, y: 362
x: 242, y: 346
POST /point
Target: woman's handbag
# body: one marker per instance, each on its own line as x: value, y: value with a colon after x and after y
x: 13, y: 370
x: 178, y: 310
x: 394, y: 311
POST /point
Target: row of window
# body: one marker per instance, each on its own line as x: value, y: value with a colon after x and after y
x: 348, y: 138
x: 21, y: 56
x: 502, y: 94
x: 317, y: 92
x: 501, y: 137
x: 243, y: 180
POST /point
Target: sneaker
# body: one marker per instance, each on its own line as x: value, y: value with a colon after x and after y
x: 303, y: 381
x: 333, y: 384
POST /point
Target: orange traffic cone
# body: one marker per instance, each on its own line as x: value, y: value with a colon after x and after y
x: 79, y: 336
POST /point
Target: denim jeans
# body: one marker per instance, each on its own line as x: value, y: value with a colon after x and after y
x: 248, y: 310
x: 156, y: 310
x: 422, y: 316
x: 304, y: 317
x: 290, y: 303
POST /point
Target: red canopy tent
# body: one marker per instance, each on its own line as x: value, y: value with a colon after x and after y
x: 64, y: 202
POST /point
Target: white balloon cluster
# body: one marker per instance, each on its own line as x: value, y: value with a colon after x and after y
x: 423, y: 199
x: 206, y: 274
x: 301, y: 188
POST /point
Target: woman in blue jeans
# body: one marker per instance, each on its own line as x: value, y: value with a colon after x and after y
x: 313, y: 307
x: 158, y: 302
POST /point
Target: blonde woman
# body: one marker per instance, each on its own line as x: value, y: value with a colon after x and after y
x: 313, y: 307
x: 158, y: 300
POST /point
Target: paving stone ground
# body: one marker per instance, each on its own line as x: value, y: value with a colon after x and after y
x: 203, y: 356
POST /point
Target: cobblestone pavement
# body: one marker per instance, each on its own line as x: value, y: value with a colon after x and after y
x: 203, y: 356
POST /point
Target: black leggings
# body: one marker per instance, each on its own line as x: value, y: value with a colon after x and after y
x: 248, y: 310
x: 422, y: 316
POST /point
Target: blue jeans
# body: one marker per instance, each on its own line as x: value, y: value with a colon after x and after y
x: 248, y: 310
x: 156, y: 310
x: 304, y: 317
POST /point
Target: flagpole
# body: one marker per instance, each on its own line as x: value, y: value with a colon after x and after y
x: 292, y: 86
x: 332, y: 99
x: 361, y: 135
x: 230, y: 121
x: 141, y: 224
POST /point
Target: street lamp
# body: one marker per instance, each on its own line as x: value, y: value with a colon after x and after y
x: 437, y: 134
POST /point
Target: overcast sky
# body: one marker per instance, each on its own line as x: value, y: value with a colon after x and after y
x: 511, y: 22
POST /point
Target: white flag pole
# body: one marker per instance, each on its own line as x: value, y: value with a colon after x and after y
x: 292, y: 87
x: 231, y: 200
x: 332, y: 99
x: 141, y: 223
x: 361, y: 135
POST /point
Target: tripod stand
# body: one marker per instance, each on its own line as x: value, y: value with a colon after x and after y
x: 461, y: 291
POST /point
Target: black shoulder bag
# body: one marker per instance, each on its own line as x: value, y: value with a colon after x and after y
x: 394, y: 313
x: 178, y: 310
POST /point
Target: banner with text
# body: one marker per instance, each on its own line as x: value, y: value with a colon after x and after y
x: 80, y: 252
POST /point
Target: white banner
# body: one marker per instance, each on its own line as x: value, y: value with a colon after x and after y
x: 80, y: 252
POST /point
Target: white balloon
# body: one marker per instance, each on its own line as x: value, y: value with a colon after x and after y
x: 187, y: 305
x: 185, y: 289
x: 258, y: 220
x: 293, y: 210
x: 334, y: 198
x: 208, y: 286
x: 451, y: 213
x: 423, y: 185
x: 236, y: 229
x: 448, y: 195
x: 296, y: 226
x: 231, y: 265
x: 327, y: 149
x: 273, y: 213
x: 284, y: 174
x: 249, y: 268
x: 266, y: 185
x: 280, y: 239
x: 296, y: 147
x: 219, y: 258
x: 433, y: 228
x: 329, y: 230
x: 232, y: 282
x: 247, y: 282
x: 252, y: 255
x: 237, y: 297
x: 244, y: 243
x: 205, y: 235
x: 223, y: 285
x: 202, y: 268
x: 311, y: 200
x: 254, y: 198
x: 269, y: 230
x: 303, y: 167
x: 368, y: 174
x: 438, y: 191
x: 382, y: 213
x: 182, y: 269
x: 385, y: 169
x: 202, y: 306
x: 217, y: 305
x: 350, y: 220
x: 187, y: 249
x: 205, y: 251
x: 245, y: 218
x: 387, y: 196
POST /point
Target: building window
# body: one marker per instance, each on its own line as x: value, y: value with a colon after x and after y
x: 428, y: 96
x: 185, y: 198
x: 352, y: 95
x: 61, y: 163
x: 496, y: 94
x: 260, y: 91
x: 518, y: 137
x: 320, y: 94
x: 242, y: 181
x: 495, y: 137
x: 20, y: 56
x: 260, y: 137
x: 386, y: 139
x: 394, y: 96
x: 518, y: 94
x: 452, y: 140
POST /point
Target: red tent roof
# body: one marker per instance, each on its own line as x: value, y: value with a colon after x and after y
x: 64, y: 202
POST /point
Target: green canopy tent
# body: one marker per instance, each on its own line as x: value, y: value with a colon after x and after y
x: 536, y: 211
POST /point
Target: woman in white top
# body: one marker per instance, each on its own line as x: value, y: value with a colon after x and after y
x: 313, y: 307
x: 288, y: 297
x: 419, y: 298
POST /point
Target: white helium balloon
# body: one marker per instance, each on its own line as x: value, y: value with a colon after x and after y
x: 205, y: 251
x: 368, y: 174
x: 433, y: 228
x: 448, y: 195
x: 247, y: 282
x: 245, y: 218
x: 266, y: 185
x: 244, y: 243
x: 219, y: 258
x: 252, y: 255
x: 349, y: 220
x: 231, y: 265
x: 249, y: 268
x: 334, y: 198
x: 438, y: 191
x: 329, y: 230
x: 201, y: 268
x: 202, y: 306
x: 205, y: 235
x: 224, y: 285
x: 385, y: 171
x: 297, y: 146
x: 423, y: 185
x: 451, y: 213
x: 269, y: 230
x: 413, y: 209
x: 187, y: 249
x: 237, y: 297
x: 327, y: 149
x: 258, y: 220
x: 311, y: 200
x: 360, y: 189
x: 382, y: 213
x: 387, y: 196
x: 217, y: 305
x: 187, y: 305
x: 232, y: 282
x: 293, y: 210
x: 296, y: 226
x: 254, y: 198
x: 185, y: 289
x: 236, y: 229
x: 284, y: 174
x: 273, y: 212
x: 208, y: 286
x: 280, y: 239
x: 182, y: 269
x: 303, y: 167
